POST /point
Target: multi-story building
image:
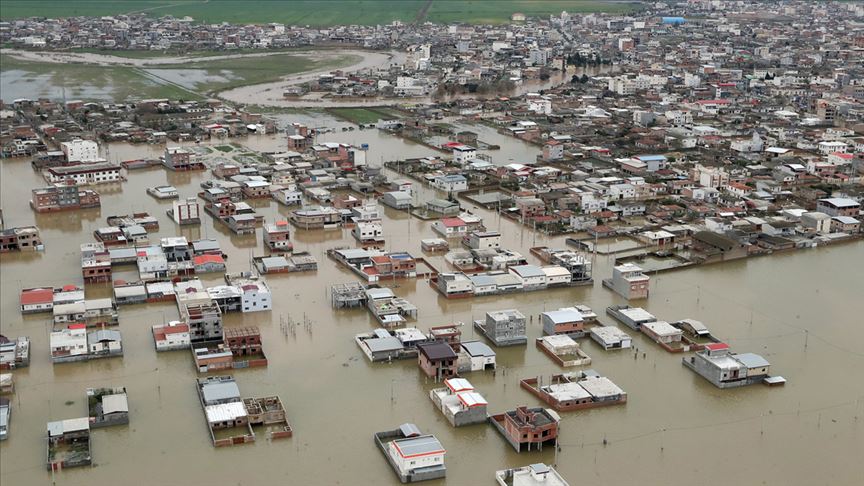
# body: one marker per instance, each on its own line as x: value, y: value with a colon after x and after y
x: 437, y: 360
x: 83, y: 175
x: 80, y: 151
x: 628, y: 281
x: 725, y: 369
x: 504, y: 327
x: 185, y: 211
x: 23, y: 238
x: 528, y: 428
x: 277, y: 236
x: 204, y: 320
x: 180, y: 159
x: 63, y: 197
x: 837, y: 206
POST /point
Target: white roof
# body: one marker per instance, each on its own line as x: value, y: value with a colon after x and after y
x: 600, y: 386
x: 661, y: 328
x: 558, y: 341
x: 224, y: 412
x: 114, y: 403
x: 69, y: 425
x: 638, y: 314
x: 458, y: 384
x: 845, y: 219
x: 555, y: 271
x: 609, y: 334
x: 567, y: 391
x: 567, y: 314
x: 472, y: 399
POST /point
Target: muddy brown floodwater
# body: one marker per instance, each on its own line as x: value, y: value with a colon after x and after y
x: 676, y: 428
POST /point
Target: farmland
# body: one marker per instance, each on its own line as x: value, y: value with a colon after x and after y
x: 362, y: 115
x: 27, y: 79
x: 200, y: 77
x: 313, y: 12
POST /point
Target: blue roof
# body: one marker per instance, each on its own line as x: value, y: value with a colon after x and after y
x: 645, y: 158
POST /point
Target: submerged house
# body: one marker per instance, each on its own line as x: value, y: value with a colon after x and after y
x: 104, y: 343
x: 527, y: 428
x: 717, y: 364
x: 566, y: 321
x: 563, y: 350
x: 628, y: 281
x: 610, y: 337
x: 107, y: 406
x: 459, y: 403
x: 68, y: 444
x: 413, y: 456
x: 533, y: 475
x: 576, y: 391
x: 504, y: 327
x: 437, y: 360
x: 14, y: 353
x: 224, y: 410
x: 171, y: 336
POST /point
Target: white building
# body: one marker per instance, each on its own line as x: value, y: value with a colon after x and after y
x: 185, y: 211
x: 531, y: 276
x: 478, y: 356
x: 556, y: 275
x: 484, y: 240
x: 450, y: 182
x: 610, y: 337
x: 81, y: 150
x: 455, y: 284
x: 256, y: 295
x: 628, y: 281
x: 171, y: 336
x: 367, y: 232
x: 82, y: 175
x: 462, y: 154
x: 288, y: 197
x: 69, y: 344
x: 753, y: 144
x: 416, y: 453
x: 540, y: 105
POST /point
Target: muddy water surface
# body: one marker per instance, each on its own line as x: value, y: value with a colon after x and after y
x: 675, y: 429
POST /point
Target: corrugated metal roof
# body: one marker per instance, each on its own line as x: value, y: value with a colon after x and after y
x: 114, y: 403
x: 751, y: 360
x: 418, y: 446
x: 225, y: 412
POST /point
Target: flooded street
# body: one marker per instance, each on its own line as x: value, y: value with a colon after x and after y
x: 335, y: 399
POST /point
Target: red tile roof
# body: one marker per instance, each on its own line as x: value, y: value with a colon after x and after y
x: 37, y: 296
x: 452, y: 222
x: 207, y: 258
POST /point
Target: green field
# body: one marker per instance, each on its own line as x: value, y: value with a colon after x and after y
x: 26, y: 79
x: 210, y: 76
x: 311, y: 12
x: 499, y: 11
x: 196, y: 79
x: 362, y: 115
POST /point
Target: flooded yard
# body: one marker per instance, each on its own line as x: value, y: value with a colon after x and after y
x: 335, y: 399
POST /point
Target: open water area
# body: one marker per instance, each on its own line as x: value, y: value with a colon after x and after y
x: 802, y: 311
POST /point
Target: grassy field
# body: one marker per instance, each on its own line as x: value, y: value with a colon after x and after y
x: 193, y: 80
x: 362, y: 115
x: 209, y: 76
x: 312, y: 12
x: 499, y: 11
x: 26, y: 79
